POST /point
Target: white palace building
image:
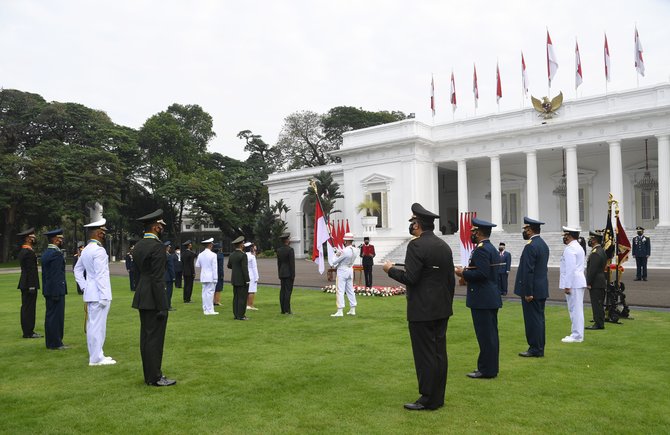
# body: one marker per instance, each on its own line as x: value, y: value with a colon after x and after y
x: 504, y: 166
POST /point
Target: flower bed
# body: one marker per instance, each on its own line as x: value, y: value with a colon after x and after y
x: 369, y: 291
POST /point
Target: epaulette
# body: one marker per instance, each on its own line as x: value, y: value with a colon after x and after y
x: 480, y: 244
x: 528, y: 242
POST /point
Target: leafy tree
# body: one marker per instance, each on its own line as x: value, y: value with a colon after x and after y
x: 303, y: 142
x: 268, y: 228
x: 262, y: 155
x: 328, y: 191
x: 341, y: 119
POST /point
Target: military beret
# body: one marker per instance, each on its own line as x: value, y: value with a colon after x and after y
x: 26, y: 232
x: 421, y: 213
x: 476, y: 223
x: 56, y: 232
x: 238, y: 240
x: 156, y: 216
x: 97, y: 224
x: 529, y: 221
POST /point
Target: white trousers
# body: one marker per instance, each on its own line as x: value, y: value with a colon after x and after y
x: 96, y: 330
x: 208, y: 297
x: 345, y: 284
x: 576, y: 309
x: 253, y: 286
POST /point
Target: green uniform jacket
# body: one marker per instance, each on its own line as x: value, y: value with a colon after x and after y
x: 595, y: 268
x: 238, y: 263
x: 149, y: 257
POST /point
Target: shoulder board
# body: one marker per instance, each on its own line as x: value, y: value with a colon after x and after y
x: 480, y: 244
x: 593, y: 250
x: 529, y: 241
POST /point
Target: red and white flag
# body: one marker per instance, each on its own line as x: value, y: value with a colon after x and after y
x: 453, y: 92
x: 552, y: 60
x: 639, y: 62
x: 464, y: 233
x: 432, y: 94
x: 475, y: 87
x: 498, y: 85
x: 320, y: 237
x: 578, y: 67
x: 608, y: 66
x: 524, y: 76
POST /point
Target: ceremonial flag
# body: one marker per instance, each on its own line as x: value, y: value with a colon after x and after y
x: 320, y: 236
x: 608, y: 236
x: 623, y: 244
x: 347, y: 227
x: 552, y: 60
x: 432, y: 94
x: 498, y: 85
x: 524, y: 76
x: 453, y: 92
x: 578, y: 67
x: 464, y: 232
x: 608, y: 67
x: 475, y: 87
x: 340, y: 234
x: 639, y: 62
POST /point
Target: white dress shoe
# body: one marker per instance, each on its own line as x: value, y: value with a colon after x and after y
x: 213, y: 313
x: 103, y: 362
x: 571, y: 339
x: 338, y: 314
x: 351, y: 312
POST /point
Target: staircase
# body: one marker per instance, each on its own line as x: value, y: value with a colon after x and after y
x: 659, y: 259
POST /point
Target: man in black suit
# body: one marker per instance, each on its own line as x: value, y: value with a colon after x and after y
x: 286, y: 271
x: 239, y: 278
x: 29, y: 282
x: 130, y: 267
x: 178, y: 267
x: 596, y: 279
x: 54, y: 289
x: 532, y: 285
x: 429, y: 277
x: 504, y: 269
x: 151, y: 299
x: 169, y: 273
x: 483, y: 298
x: 188, y: 269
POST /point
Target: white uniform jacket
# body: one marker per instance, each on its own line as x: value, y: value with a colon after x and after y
x: 207, y: 263
x: 345, y: 261
x: 252, y: 265
x: 572, y: 267
x: 92, y: 273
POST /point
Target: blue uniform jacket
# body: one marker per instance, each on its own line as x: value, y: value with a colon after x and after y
x: 531, y: 277
x: 169, y: 267
x: 53, y: 273
x: 482, y: 277
x: 641, y: 246
x: 507, y: 259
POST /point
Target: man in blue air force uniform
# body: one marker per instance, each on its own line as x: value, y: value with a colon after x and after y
x: 504, y: 269
x: 641, y: 252
x: 54, y: 289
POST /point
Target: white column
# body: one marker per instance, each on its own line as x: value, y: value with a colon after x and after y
x: 532, y: 198
x: 616, y: 176
x: 663, y: 181
x: 496, y: 193
x: 300, y: 251
x: 462, y: 187
x: 572, y: 185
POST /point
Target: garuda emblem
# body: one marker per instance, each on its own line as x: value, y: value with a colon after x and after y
x: 547, y: 108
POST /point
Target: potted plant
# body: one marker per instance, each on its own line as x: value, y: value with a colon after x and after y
x: 370, y: 206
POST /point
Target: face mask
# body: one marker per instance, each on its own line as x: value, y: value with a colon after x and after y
x: 525, y: 235
x: 411, y: 228
x: 367, y: 242
x: 501, y: 249
x: 473, y: 238
x: 590, y: 243
x: 565, y: 240
x: 639, y: 233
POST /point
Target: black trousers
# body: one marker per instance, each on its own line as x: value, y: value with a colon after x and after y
x: 131, y: 277
x: 168, y: 290
x: 641, y: 263
x: 54, y: 321
x: 285, y: 292
x: 597, y: 296
x: 28, y: 303
x: 188, y: 287
x: 177, y: 279
x: 240, y: 293
x: 533, y: 318
x: 367, y: 272
x: 502, y: 283
x: 486, y: 330
x: 152, y: 339
x: 429, y: 347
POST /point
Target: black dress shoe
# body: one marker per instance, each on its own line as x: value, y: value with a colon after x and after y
x: 415, y: 406
x: 644, y: 279
x: 636, y: 279
x: 530, y: 355
x: 35, y: 335
x: 164, y: 382
x: 478, y: 375
x: 594, y: 327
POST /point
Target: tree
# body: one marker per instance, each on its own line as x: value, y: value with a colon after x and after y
x: 303, y: 143
x: 269, y: 227
x: 328, y: 191
x: 341, y: 119
x: 261, y: 154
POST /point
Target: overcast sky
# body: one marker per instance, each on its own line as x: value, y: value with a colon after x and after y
x: 251, y: 63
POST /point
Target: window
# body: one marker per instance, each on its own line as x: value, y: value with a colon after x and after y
x: 380, y: 198
x: 188, y: 227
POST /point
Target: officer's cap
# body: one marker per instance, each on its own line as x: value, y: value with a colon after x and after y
x: 167, y: 243
x: 155, y: 217
x: 285, y: 236
x: 208, y: 241
x: 418, y: 212
x: 186, y: 243
x: 529, y: 221
x: 238, y: 240
x: 598, y: 234
x: 27, y: 232
x: 99, y: 224
x: 348, y: 236
x: 481, y: 223
x: 639, y: 228
x: 53, y: 233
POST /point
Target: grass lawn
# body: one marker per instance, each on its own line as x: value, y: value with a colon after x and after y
x: 310, y: 373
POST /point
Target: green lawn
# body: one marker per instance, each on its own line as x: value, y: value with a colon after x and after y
x: 310, y: 373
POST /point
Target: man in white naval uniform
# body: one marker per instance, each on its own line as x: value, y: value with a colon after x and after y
x: 573, y: 283
x: 92, y: 275
x: 344, y: 262
x: 208, y: 276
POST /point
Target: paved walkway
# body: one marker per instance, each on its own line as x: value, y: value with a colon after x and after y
x: 652, y: 293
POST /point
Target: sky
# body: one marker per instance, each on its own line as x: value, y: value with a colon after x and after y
x: 252, y: 63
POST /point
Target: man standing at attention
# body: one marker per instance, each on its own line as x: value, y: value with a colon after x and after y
x: 596, y: 279
x: 368, y: 255
x: 29, y: 282
x: 429, y: 277
x: 150, y: 298
x: 532, y: 285
x: 169, y: 273
x: 54, y: 289
x: 92, y: 274
x: 344, y: 262
x: 504, y: 268
x: 641, y: 252
x: 208, y: 276
x: 239, y: 278
x: 178, y: 267
x: 130, y: 267
x: 573, y: 282
x: 220, y: 258
x: 286, y: 270
x: 483, y: 298
x: 188, y: 270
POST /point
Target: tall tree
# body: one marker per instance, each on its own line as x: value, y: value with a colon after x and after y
x: 328, y: 191
x: 342, y: 119
x: 303, y: 143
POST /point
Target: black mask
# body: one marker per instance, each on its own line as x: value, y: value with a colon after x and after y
x: 639, y: 233
x: 525, y: 235
x: 565, y: 240
x: 411, y: 228
x: 501, y: 249
x: 473, y: 238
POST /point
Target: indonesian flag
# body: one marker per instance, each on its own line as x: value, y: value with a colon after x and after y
x: 340, y: 234
x: 464, y: 232
x: 524, y: 76
x: 432, y: 94
x: 347, y: 227
x: 639, y: 62
x: 623, y: 244
x: 453, y: 92
x: 320, y: 237
x: 578, y: 67
x: 498, y: 84
x: 475, y: 87
x: 552, y: 60
x: 608, y: 66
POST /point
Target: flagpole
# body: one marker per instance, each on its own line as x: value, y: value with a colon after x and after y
x: 312, y: 183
